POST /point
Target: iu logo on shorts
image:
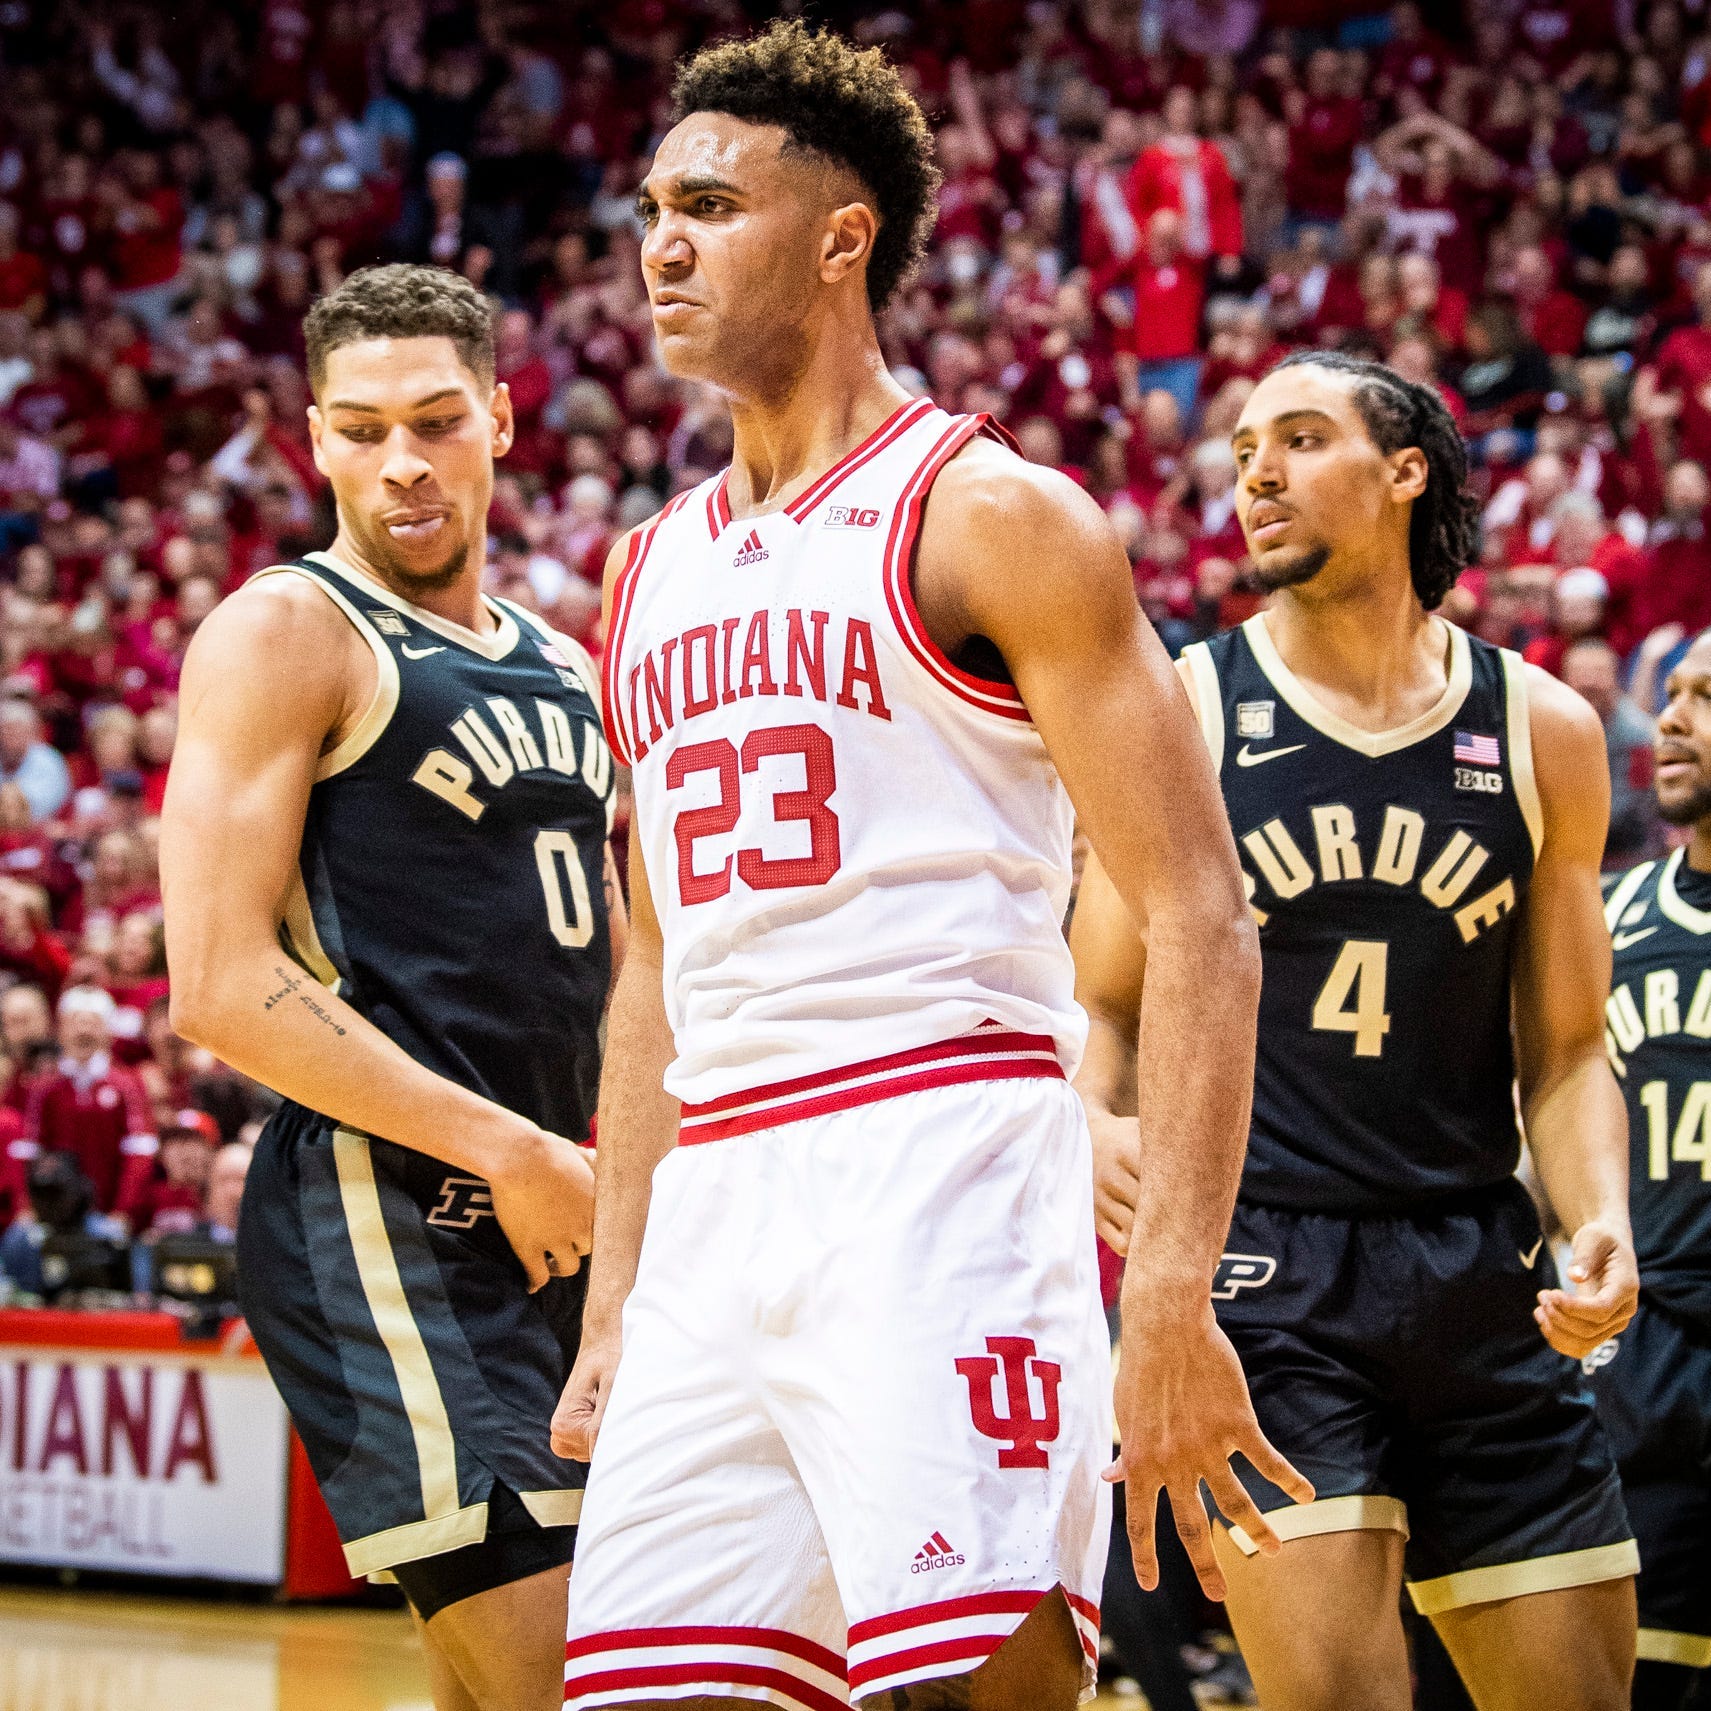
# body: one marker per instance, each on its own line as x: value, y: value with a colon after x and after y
x: 1021, y: 1432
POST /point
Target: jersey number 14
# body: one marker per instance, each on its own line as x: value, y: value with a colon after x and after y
x: 1689, y: 1143
x: 1352, y: 999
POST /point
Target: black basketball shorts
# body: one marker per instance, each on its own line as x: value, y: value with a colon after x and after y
x: 419, y: 1371
x: 1395, y: 1361
x: 1653, y: 1385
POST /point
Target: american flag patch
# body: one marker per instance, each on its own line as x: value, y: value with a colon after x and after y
x: 551, y: 654
x: 1477, y: 750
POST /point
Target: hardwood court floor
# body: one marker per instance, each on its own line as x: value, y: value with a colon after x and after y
x: 104, y: 1651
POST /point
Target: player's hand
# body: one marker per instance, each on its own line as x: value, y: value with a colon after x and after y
x: 1607, y: 1280
x: 1182, y: 1412
x: 1116, y: 1175
x: 582, y: 1406
x: 544, y: 1202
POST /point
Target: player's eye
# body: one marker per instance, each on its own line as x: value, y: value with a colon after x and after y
x: 709, y: 205
x: 440, y: 425
x: 362, y: 436
x: 1304, y: 441
x: 1243, y: 457
x: 647, y: 213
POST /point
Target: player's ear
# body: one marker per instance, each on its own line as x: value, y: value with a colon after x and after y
x: 847, y: 241
x: 317, y: 426
x: 504, y: 423
x: 1408, y: 473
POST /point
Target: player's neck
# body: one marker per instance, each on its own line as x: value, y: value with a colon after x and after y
x: 1699, y: 847
x: 459, y: 602
x: 1367, y: 647
x: 783, y: 443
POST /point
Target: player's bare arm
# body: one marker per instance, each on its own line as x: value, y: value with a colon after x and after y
x: 1110, y: 971
x: 638, y: 1127
x: 1576, y: 1123
x: 1019, y: 556
x: 275, y: 677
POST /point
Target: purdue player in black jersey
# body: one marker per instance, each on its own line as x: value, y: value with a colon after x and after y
x: 1654, y: 1382
x: 389, y: 896
x: 1421, y: 819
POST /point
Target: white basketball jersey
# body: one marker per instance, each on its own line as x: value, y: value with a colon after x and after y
x: 855, y: 848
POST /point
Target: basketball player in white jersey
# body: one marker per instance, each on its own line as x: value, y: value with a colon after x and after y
x: 853, y: 1449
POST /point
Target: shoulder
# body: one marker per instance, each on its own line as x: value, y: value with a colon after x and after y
x: 1568, y: 758
x: 992, y: 496
x: 279, y: 633
x: 276, y: 607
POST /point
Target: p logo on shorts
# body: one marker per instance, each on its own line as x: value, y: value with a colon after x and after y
x: 1241, y: 1271
x: 1021, y: 1431
x: 463, y: 1201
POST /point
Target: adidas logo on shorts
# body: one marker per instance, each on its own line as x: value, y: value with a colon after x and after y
x: 751, y: 551
x: 935, y: 1553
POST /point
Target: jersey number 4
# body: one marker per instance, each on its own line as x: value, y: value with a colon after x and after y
x: 1352, y: 999
x: 756, y: 869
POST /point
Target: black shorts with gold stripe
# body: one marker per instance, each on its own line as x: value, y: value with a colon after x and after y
x: 419, y: 1371
x: 1653, y: 1385
x: 1396, y: 1362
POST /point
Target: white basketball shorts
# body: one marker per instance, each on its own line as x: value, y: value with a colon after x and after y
x: 863, y: 1406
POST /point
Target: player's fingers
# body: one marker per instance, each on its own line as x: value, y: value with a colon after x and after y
x: 1195, y: 1531
x: 1239, y: 1509
x: 572, y: 1420
x: 1271, y: 1464
x: 1143, y: 1546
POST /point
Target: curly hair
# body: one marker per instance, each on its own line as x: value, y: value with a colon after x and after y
x: 1443, y: 528
x: 846, y: 105
x: 401, y: 301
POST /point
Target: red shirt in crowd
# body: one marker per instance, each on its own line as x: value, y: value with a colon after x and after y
x: 1162, y: 178
x: 1168, y: 300
x: 149, y: 253
x: 22, y: 276
x: 99, y: 1113
x: 1321, y: 153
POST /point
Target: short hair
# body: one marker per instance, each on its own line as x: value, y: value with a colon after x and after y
x: 1443, y: 527
x: 401, y: 301
x: 845, y: 104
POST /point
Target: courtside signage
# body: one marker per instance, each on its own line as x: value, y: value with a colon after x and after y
x: 141, y: 1463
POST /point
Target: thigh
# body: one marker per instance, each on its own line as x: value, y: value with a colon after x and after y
x: 1653, y: 1385
x: 944, y: 1385
x: 418, y: 1370
x: 1311, y: 1326
x: 505, y: 1643
x: 701, y: 1567
x: 1512, y: 1488
x: 1319, y: 1623
x: 1568, y: 1650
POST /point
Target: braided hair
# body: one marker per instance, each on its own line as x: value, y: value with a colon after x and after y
x: 1443, y: 528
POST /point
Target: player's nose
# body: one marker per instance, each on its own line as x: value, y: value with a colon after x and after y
x: 403, y: 465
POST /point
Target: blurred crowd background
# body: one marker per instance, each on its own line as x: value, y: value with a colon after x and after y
x: 1146, y: 202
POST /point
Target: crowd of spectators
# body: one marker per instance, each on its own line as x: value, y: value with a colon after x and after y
x: 1146, y: 202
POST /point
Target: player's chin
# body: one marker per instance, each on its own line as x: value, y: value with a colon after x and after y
x: 1288, y: 566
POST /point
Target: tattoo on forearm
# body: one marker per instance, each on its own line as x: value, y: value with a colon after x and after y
x: 609, y: 879
x: 298, y: 986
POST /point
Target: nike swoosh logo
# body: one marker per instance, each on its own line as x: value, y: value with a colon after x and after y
x: 1528, y: 1258
x: 1247, y: 757
x: 418, y: 653
x: 1623, y: 940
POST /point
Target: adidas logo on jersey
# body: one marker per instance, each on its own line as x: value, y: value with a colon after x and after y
x: 751, y: 551
x: 935, y: 1553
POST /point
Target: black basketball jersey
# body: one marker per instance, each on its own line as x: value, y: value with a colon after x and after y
x: 451, y: 875
x: 1387, y: 872
x: 1658, y: 1031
